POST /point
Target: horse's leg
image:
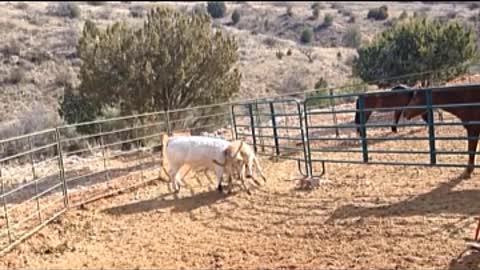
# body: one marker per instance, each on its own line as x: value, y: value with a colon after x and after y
x: 398, y: 113
x: 472, y: 148
x: 440, y: 115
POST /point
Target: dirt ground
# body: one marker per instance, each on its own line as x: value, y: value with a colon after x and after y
x: 361, y: 217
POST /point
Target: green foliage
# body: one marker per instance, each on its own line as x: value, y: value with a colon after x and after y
x: 96, y: 3
x: 403, y: 15
x: 320, y: 90
x: 337, y: 5
x: 279, y: 55
x: 200, y: 8
x: 352, y: 37
x: 378, y: 14
x: 22, y: 6
x: 474, y: 5
x: 416, y: 46
x: 321, y: 83
x: 16, y: 76
x: 346, y: 12
x: 306, y: 36
x: 76, y: 108
x: 217, y: 9
x: 475, y: 18
x: 137, y: 11
x: 64, y: 9
x: 235, y: 16
x: 452, y: 14
x: 315, y: 13
x: 352, y: 86
x: 317, y: 5
x: 289, y: 11
x: 173, y: 61
x: 351, y: 19
x: 328, y: 20
x: 266, y: 25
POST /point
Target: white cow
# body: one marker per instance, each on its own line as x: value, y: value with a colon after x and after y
x: 196, y: 152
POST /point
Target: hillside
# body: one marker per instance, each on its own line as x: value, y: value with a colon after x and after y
x: 38, y: 47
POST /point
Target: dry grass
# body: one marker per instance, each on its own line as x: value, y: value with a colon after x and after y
x: 42, y: 44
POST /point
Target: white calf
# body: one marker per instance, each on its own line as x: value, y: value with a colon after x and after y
x: 238, y: 157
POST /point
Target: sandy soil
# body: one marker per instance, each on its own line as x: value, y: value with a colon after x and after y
x: 365, y: 217
x: 362, y: 217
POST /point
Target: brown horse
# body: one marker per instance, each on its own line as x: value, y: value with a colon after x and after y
x: 386, y: 100
x: 454, y: 95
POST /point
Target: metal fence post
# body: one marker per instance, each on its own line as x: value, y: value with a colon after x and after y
x: 34, y: 175
x: 61, y: 166
x: 431, y: 128
x: 5, y: 209
x: 286, y: 122
x: 363, y: 130
x: 104, y: 155
x: 306, y: 152
x: 234, y: 123
x: 252, y: 125
x: 258, y: 121
x: 138, y: 144
x: 334, y: 114
x: 274, y: 127
x: 167, y: 122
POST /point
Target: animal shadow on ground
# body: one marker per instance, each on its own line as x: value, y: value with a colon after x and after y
x: 184, y: 204
x: 439, y: 200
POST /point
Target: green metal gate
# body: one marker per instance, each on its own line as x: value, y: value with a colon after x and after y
x: 274, y: 128
x: 430, y: 142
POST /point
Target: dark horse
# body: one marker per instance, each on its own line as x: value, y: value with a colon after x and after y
x: 386, y: 100
x: 454, y: 95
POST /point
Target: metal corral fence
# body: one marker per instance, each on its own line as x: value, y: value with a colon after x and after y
x: 431, y: 142
x: 44, y: 173
x: 356, y: 129
x: 274, y: 128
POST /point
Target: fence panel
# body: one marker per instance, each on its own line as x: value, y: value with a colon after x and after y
x: 366, y: 123
x: 109, y: 155
x: 43, y: 173
x: 273, y: 128
x: 32, y: 190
